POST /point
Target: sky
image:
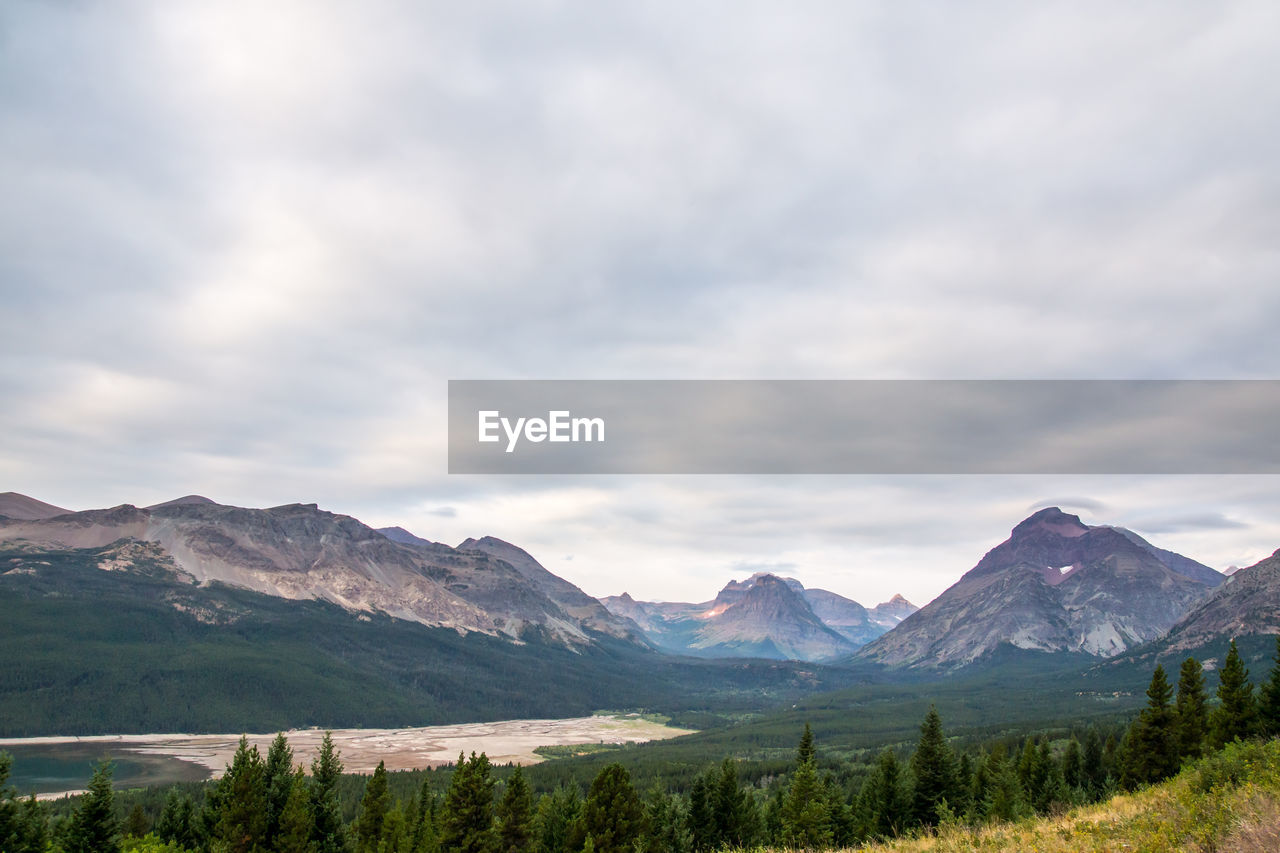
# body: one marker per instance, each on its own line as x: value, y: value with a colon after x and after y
x: 244, y: 246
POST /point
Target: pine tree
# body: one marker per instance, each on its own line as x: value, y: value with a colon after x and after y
x: 666, y: 819
x: 557, y: 823
x: 1269, y: 704
x: 933, y: 766
x: 373, y: 811
x: 425, y: 838
x: 515, y: 815
x: 806, y: 818
x: 295, y: 829
x: 328, y: 833
x: 1152, y: 745
x: 841, y: 817
x: 1190, y: 714
x: 177, y: 822
x: 734, y: 817
x: 888, y: 804
x: 1072, y: 765
x: 94, y: 828
x: 33, y: 828
x: 805, y: 751
x: 467, y: 824
x: 278, y: 774
x: 136, y: 824
x: 1050, y: 788
x: 701, y: 817
x: 1234, y: 717
x: 613, y: 816
x: 1094, y: 769
x: 9, y: 820
x: 242, y: 819
x: 1002, y: 795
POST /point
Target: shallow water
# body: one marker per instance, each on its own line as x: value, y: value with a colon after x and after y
x: 46, y: 768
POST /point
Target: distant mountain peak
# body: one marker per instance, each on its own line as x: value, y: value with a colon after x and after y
x: 185, y: 500
x: 24, y: 508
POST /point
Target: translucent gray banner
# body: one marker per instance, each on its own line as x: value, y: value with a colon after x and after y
x: 864, y: 427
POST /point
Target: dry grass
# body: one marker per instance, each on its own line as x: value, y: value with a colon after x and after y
x: 1204, y: 810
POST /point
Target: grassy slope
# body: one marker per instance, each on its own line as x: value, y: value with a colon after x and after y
x: 1229, y: 802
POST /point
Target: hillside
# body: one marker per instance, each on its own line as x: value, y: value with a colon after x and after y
x: 301, y: 552
x: 113, y: 640
x: 1227, y: 802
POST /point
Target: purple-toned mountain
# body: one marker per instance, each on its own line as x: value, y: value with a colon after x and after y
x: 1055, y: 585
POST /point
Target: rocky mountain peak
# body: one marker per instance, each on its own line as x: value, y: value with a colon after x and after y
x: 1053, y: 520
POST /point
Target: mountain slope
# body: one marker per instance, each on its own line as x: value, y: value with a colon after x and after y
x: 1055, y: 585
x: 23, y: 508
x: 887, y: 614
x: 300, y: 552
x: 117, y: 639
x: 1247, y: 604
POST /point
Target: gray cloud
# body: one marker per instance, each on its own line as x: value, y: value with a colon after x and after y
x: 244, y: 246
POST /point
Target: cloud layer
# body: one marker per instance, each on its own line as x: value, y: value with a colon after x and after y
x: 243, y: 246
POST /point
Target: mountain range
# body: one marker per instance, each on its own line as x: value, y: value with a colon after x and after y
x: 764, y: 616
x: 426, y: 631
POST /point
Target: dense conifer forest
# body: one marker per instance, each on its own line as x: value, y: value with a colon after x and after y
x: 266, y: 803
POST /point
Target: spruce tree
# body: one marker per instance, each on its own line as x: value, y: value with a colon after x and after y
x: 806, y: 818
x: 1269, y: 702
x: 805, y: 751
x: 667, y: 823
x: 242, y: 818
x: 1094, y: 768
x: 1152, y: 744
x: 424, y: 824
x: 701, y: 817
x: 1072, y: 765
x: 1234, y: 717
x: 295, y: 829
x: 328, y: 833
x: 1002, y: 795
x: 1190, y: 713
x: 613, y: 816
x: 94, y: 828
x: 136, y: 824
x: 177, y: 822
x: 9, y: 820
x: 933, y: 766
x: 557, y: 823
x: 373, y: 811
x: 733, y: 814
x: 515, y: 815
x: 888, y: 798
x: 33, y: 828
x: 467, y: 823
x: 279, y: 781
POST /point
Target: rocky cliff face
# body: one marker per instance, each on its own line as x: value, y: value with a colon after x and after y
x: 1055, y: 585
x: 1247, y: 603
x: 299, y: 551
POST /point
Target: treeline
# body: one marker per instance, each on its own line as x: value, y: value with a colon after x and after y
x: 264, y: 805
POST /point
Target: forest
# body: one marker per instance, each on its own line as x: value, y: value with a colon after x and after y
x: 267, y: 803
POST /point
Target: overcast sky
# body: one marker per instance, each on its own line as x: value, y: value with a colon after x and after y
x: 243, y: 246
